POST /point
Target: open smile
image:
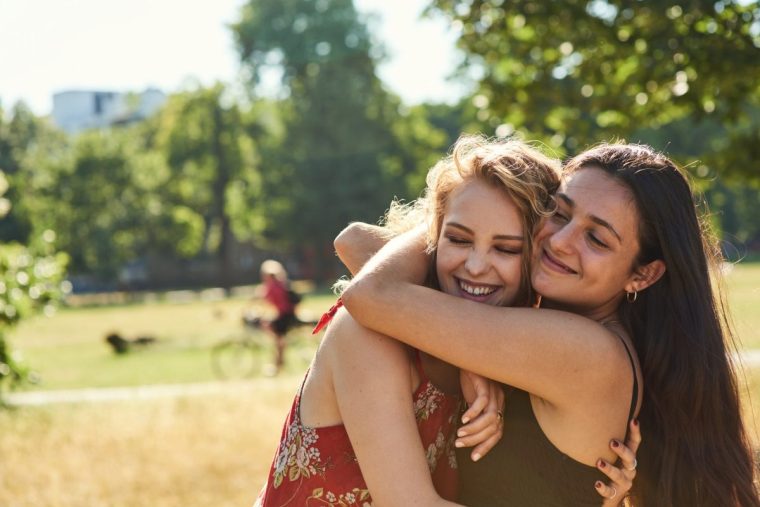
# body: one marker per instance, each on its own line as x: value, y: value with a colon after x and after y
x: 476, y: 291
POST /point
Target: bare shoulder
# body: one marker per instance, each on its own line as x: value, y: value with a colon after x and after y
x: 348, y: 342
x: 627, y: 351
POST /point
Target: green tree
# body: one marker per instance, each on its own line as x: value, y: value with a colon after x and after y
x: 210, y: 155
x: 20, y: 133
x: 31, y: 279
x: 575, y: 72
x: 334, y: 160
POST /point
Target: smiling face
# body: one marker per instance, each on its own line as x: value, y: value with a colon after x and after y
x: 479, y: 252
x: 585, y: 253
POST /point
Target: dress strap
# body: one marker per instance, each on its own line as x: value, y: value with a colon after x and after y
x: 418, y: 365
x: 299, y: 394
x: 327, y: 316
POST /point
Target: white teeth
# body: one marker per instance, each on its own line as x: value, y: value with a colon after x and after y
x: 476, y: 291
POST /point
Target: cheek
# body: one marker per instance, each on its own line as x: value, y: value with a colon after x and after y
x: 446, y: 261
x: 510, y: 272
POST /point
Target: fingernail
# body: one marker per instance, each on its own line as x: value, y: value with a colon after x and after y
x: 636, y: 422
x: 476, y: 457
x: 458, y: 444
x: 598, y: 485
x: 602, y: 464
x: 461, y: 433
x: 615, y: 444
x: 465, y: 420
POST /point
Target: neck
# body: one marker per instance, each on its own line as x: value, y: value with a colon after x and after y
x: 601, y: 314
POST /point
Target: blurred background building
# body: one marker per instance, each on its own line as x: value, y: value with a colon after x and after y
x: 77, y: 110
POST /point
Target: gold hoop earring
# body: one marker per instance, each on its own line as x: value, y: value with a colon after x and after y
x: 631, y: 296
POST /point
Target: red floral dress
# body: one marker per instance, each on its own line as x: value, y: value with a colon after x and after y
x: 318, y: 467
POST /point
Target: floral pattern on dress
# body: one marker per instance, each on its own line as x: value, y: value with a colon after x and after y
x: 317, y: 467
x: 426, y: 404
x: 298, y: 456
x: 356, y: 497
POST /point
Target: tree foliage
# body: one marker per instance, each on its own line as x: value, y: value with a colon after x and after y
x: 337, y: 158
x: 31, y: 279
x: 210, y: 159
x: 575, y: 72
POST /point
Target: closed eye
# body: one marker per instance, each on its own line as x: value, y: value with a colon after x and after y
x: 509, y: 251
x: 559, y: 217
x: 596, y: 241
x: 457, y: 240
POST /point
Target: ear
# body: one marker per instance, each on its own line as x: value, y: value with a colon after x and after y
x: 645, y: 276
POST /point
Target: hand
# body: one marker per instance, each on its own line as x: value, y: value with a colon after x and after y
x: 621, y: 478
x: 483, y: 424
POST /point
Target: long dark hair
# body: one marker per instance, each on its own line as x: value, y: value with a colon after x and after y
x: 695, y: 449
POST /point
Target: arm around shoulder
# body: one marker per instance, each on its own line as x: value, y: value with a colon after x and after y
x: 373, y: 388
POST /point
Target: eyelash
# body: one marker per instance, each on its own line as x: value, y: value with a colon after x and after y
x: 597, y: 241
x: 457, y: 241
x: 460, y: 241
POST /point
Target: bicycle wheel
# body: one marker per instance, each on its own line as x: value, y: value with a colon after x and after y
x: 235, y: 359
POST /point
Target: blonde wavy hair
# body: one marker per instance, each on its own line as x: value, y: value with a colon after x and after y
x: 526, y: 175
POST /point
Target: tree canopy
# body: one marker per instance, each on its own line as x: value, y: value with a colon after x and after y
x: 576, y: 72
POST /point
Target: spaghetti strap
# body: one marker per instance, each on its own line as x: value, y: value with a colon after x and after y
x: 635, y: 394
x: 418, y: 364
x: 298, y: 396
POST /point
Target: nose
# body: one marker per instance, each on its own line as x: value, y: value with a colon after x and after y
x: 476, y: 263
x: 562, y: 239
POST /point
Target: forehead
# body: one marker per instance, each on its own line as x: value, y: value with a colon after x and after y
x: 483, y: 206
x: 597, y: 194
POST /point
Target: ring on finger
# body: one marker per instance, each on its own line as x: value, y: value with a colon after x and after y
x: 614, y: 492
x: 500, y: 415
x: 635, y: 464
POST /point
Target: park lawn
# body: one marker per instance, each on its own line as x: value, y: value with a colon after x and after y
x: 69, y: 351
x: 743, y: 288
x: 189, y: 451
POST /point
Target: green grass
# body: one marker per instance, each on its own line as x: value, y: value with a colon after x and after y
x: 69, y: 350
x: 743, y: 288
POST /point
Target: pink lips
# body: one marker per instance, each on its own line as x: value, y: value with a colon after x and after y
x: 556, y: 265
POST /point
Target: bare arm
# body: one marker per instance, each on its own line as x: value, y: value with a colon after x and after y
x: 358, y: 242
x: 558, y: 356
x: 371, y: 376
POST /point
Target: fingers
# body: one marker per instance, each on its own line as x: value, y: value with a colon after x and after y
x: 620, y: 479
x: 483, y: 448
x: 479, y: 430
x: 476, y: 407
x: 609, y: 493
x: 634, y: 436
x: 627, y: 457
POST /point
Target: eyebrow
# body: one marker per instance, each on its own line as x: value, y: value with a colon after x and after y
x: 508, y: 237
x: 593, y: 218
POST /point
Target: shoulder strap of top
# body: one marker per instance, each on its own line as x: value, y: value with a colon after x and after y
x: 299, y: 394
x: 327, y: 316
x: 418, y: 364
x: 635, y: 394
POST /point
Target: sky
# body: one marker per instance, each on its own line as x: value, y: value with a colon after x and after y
x: 48, y: 46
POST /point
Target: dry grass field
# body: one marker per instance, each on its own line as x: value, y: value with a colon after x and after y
x: 186, y: 451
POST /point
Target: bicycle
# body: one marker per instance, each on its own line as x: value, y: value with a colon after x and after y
x: 249, y: 354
